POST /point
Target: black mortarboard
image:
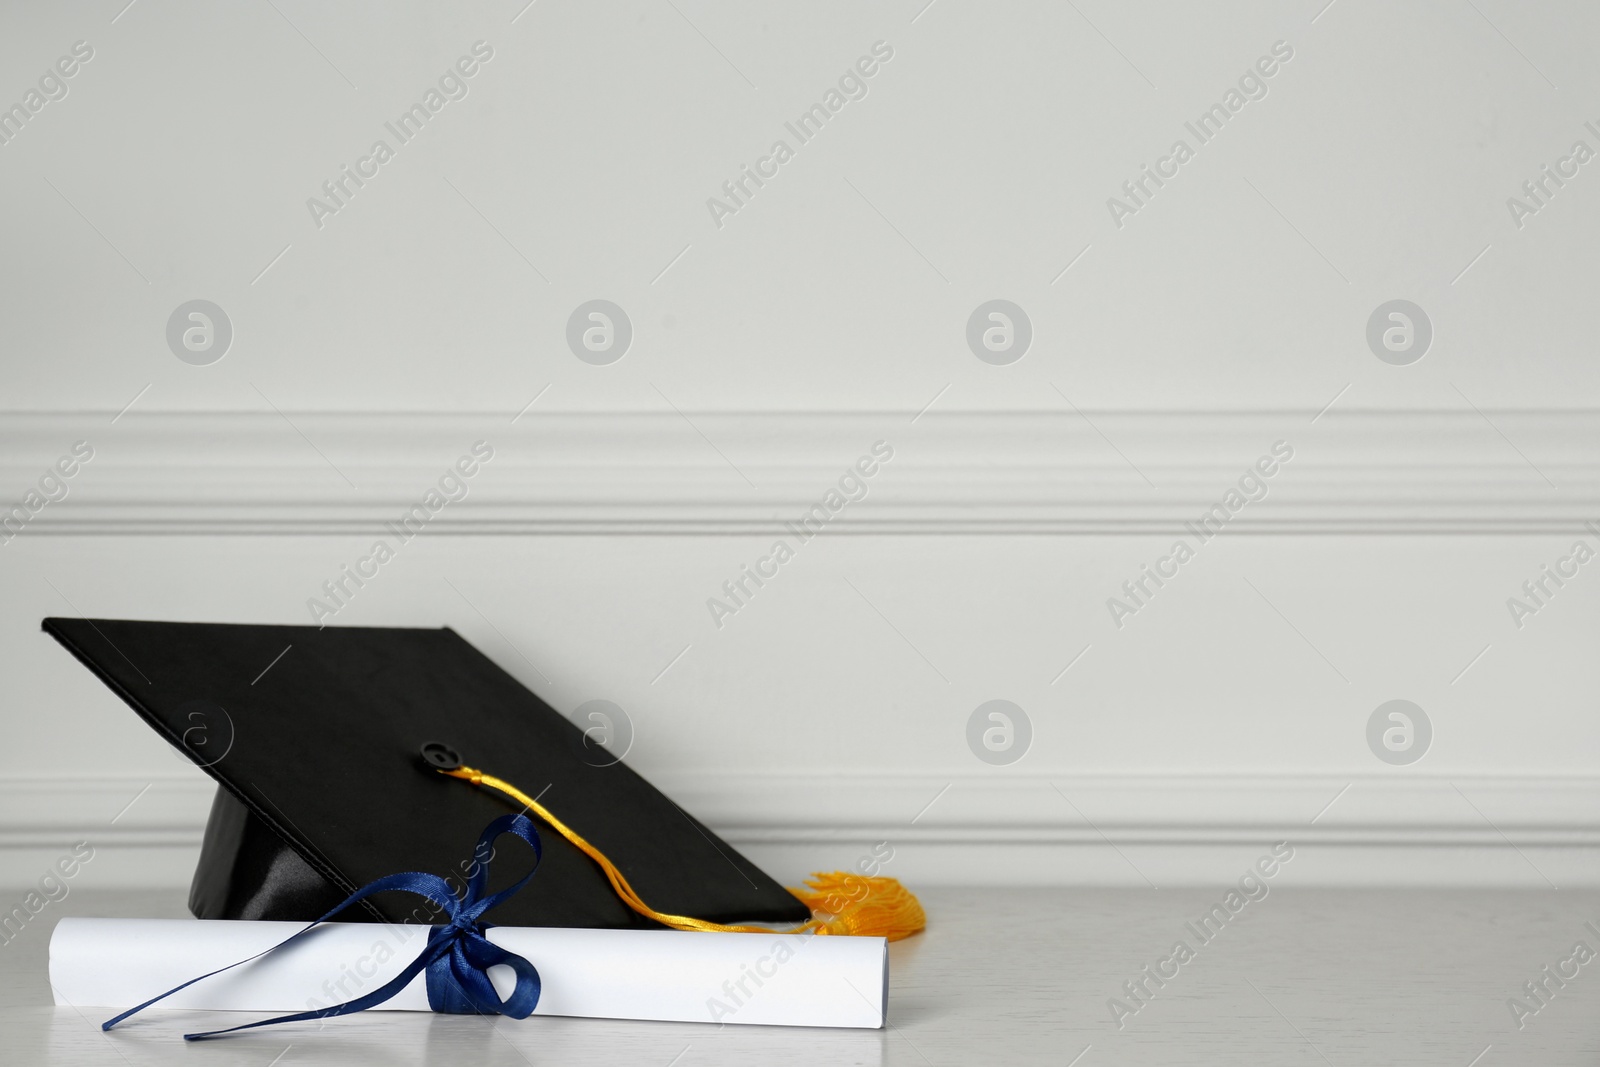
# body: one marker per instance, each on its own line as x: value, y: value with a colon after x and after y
x: 324, y: 787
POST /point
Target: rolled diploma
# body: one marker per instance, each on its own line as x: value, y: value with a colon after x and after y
x: 771, y: 979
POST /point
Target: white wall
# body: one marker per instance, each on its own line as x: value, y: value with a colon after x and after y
x: 991, y: 142
x: 1225, y: 315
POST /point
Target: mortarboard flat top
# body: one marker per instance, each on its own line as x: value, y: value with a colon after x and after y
x: 323, y: 788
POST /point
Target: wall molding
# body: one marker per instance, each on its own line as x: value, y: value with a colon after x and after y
x: 1376, y: 828
x: 1354, y: 472
x: 953, y: 474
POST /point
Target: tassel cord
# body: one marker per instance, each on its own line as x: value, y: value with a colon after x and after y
x: 856, y: 905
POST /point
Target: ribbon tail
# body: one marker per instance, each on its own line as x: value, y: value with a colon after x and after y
x: 456, y: 958
x: 109, y: 1023
x: 362, y: 1003
x: 410, y: 882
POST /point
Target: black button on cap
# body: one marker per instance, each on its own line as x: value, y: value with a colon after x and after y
x: 441, y: 756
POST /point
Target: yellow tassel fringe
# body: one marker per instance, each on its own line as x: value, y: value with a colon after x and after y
x: 861, y: 906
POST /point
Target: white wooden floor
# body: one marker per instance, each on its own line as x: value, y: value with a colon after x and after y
x: 1010, y: 976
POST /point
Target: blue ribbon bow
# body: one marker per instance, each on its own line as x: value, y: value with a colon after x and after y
x: 457, y: 956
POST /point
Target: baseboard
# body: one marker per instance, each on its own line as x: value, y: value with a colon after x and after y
x: 1468, y: 829
x: 1062, y: 472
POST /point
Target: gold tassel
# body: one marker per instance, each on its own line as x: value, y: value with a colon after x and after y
x: 861, y: 906
x: 854, y: 905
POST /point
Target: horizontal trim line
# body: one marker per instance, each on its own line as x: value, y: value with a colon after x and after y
x: 1196, y: 837
x: 971, y: 809
x: 1043, y: 473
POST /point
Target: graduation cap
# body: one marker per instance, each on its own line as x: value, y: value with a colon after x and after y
x: 345, y: 754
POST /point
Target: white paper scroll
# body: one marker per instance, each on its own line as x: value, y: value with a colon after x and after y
x: 771, y: 979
